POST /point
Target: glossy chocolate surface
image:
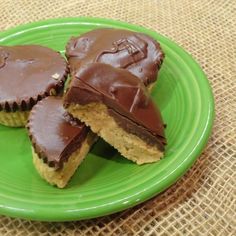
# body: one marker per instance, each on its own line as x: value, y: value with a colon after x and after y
x: 27, y: 72
x: 54, y: 134
x: 123, y: 93
x: 138, y: 53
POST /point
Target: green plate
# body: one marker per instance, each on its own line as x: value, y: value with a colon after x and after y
x: 106, y: 182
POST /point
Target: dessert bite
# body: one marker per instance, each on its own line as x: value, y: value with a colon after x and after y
x: 115, y: 104
x: 59, y: 142
x: 136, y: 52
x: 28, y: 73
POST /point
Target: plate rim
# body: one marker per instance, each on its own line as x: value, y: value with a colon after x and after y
x: 151, y: 191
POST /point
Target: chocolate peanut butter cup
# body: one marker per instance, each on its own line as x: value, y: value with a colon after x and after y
x: 59, y: 142
x: 116, y: 106
x: 28, y: 73
x: 136, y: 52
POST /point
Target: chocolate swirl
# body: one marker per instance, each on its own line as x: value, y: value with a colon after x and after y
x: 136, y: 52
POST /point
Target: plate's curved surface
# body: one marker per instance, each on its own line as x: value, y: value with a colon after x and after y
x: 105, y: 182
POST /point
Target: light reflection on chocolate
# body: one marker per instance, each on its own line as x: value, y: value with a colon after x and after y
x: 138, y: 53
x: 26, y: 75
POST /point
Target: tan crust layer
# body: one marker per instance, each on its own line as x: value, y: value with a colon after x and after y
x: 129, y: 145
x: 19, y: 118
x: 14, y: 119
x: 61, y: 177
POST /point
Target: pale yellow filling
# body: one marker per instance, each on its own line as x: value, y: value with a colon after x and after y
x: 14, y: 119
x: 61, y: 176
x: 95, y: 115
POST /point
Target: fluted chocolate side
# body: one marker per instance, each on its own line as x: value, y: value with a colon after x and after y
x: 54, y: 134
x: 29, y: 73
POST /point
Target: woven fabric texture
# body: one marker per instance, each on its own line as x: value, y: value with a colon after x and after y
x: 203, y: 202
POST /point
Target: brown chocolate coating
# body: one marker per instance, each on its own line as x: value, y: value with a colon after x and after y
x: 124, y: 94
x: 52, y: 133
x: 138, y: 53
x: 27, y: 74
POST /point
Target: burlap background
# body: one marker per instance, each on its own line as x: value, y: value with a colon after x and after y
x: 203, y: 201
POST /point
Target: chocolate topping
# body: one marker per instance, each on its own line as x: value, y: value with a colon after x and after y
x: 27, y: 74
x: 55, y: 136
x: 136, y: 52
x: 123, y: 93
